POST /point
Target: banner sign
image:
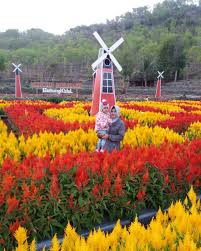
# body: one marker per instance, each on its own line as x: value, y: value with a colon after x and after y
x: 54, y: 85
x: 58, y: 91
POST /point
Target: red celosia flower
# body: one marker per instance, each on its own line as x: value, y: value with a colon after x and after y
x: 7, y: 183
x: 2, y: 199
x: 14, y: 226
x: 95, y: 168
x: 140, y: 195
x: 81, y: 178
x: 167, y: 179
x: 197, y: 183
x: 53, y: 167
x: 95, y: 190
x: 39, y: 199
x: 70, y: 201
x: 26, y: 192
x: 54, y: 189
x: 12, y: 204
x: 39, y: 171
x: 139, y: 165
x: 128, y: 203
x: 106, y: 184
x: 7, y: 165
x: 41, y: 186
x: 118, y: 185
x: 145, y: 177
x: 173, y: 187
x: 2, y: 241
x: 34, y: 190
x: 105, y: 168
x: 122, y: 166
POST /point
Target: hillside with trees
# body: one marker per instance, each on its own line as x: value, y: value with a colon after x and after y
x: 166, y: 38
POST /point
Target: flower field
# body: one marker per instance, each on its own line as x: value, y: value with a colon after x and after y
x: 50, y: 174
x: 178, y: 229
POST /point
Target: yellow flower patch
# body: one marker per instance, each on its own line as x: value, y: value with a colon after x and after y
x: 164, y: 106
x: 77, y: 113
x: 74, y: 141
x: 144, y: 118
x: 144, y: 135
x: 194, y: 131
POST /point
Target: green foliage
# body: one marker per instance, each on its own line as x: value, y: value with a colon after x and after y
x: 2, y: 60
x: 2, y: 111
x: 166, y: 38
x: 171, y: 55
x: 2, y: 63
x: 194, y: 54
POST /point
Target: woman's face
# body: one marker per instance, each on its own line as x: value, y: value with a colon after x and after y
x: 113, y: 114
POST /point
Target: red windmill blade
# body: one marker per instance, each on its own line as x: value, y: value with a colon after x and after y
x: 17, y: 70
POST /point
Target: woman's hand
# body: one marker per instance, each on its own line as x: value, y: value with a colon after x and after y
x: 105, y: 136
x: 100, y: 136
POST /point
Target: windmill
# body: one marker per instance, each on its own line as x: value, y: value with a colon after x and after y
x: 18, y: 92
x: 158, y: 85
x: 103, y: 79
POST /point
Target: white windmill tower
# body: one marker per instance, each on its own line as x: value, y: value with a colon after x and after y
x: 103, y: 79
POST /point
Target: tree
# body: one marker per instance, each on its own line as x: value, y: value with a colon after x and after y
x: 171, y: 57
x: 126, y: 61
x: 193, y: 61
x: 2, y: 63
x: 148, y: 55
x: 128, y: 57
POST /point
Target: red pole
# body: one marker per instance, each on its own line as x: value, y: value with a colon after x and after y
x: 18, y: 92
x: 158, y: 89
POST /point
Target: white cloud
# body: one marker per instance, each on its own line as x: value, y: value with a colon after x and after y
x: 59, y: 16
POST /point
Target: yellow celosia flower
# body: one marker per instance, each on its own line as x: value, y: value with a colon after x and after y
x: 55, y: 244
x: 58, y: 143
x: 97, y: 240
x: 3, y: 127
x: 164, y: 106
x: 33, y: 246
x: 170, y: 235
x: 144, y: 118
x: 80, y: 245
x: 194, y: 131
x: 192, y: 196
x: 9, y: 146
x: 77, y: 113
x: 144, y: 135
x: 187, y: 244
x: 20, y: 235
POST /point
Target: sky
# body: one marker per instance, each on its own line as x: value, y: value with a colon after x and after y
x: 58, y: 16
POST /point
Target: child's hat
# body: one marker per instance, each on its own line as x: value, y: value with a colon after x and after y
x: 104, y: 103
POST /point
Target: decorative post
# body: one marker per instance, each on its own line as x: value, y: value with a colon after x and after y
x: 18, y: 92
x: 158, y: 85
